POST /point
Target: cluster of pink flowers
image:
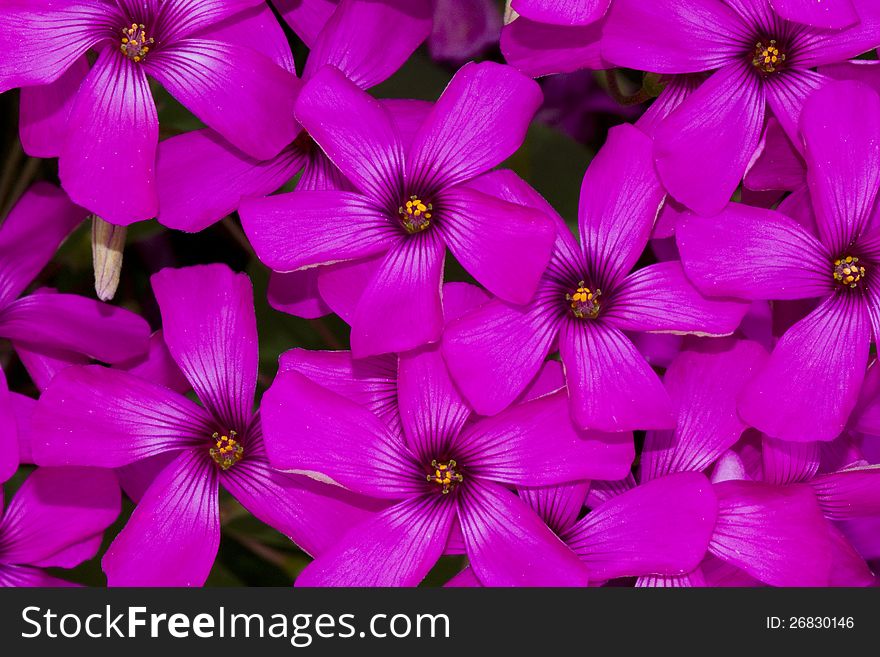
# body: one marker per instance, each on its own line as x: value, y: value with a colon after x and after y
x: 680, y: 392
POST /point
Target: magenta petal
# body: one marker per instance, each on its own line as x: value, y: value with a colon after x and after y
x: 811, y: 382
x: 370, y: 382
x: 479, y: 121
x: 357, y: 32
x: 819, y: 47
x: 311, y: 430
x: 304, y: 229
x: 506, y: 247
x: 315, y: 516
x: 467, y: 578
x: 669, y: 36
x: 184, y: 17
x: 25, y: 576
x: 137, y: 477
x: 405, y: 293
x: 79, y: 324
x: 536, y: 444
x: 841, y: 129
x: 307, y: 18
x: 30, y: 235
x: 786, y: 462
x: 342, y: 285
x: 619, y: 201
x: 703, y: 383
x: 848, y: 567
x: 54, y: 509
x: 463, y: 29
x: 94, y: 415
x: 172, y: 537
x: 158, y: 366
x: 786, y: 98
x: 774, y: 533
x: 539, y: 49
x: 612, y: 387
x: 431, y: 409
x: 509, y: 545
x: 44, y: 110
x: 109, y: 155
x: 26, y: 28
x: 834, y: 14
x: 355, y: 131
x: 852, y: 493
x: 719, y: 126
x: 724, y: 255
x: 660, y: 298
x: 496, y: 350
x: 9, y: 436
x: 559, y: 506
x: 238, y: 92
x: 578, y: 12
x: 296, y: 293
x: 71, y: 557
x: 459, y: 299
x: 397, y: 547
x: 662, y: 527
x: 254, y: 27
x: 779, y: 166
x: 210, y: 328
x: 201, y: 178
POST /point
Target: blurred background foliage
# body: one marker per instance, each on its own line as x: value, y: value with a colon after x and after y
x: 567, y: 132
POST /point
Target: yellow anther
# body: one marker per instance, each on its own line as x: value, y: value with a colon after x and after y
x: 848, y: 272
x: 135, y: 42
x: 768, y: 57
x: 445, y: 475
x: 415, y: 215
x: 227, y: 451
x: 584, y: 303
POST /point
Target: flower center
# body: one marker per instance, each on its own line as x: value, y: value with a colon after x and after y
x: 768, y: 57
x: 415, y: 215
x: 227, y: 451
x: 584, y: 303
x: 848, y: 272
x: 445, y: 475
x: 135, y: 42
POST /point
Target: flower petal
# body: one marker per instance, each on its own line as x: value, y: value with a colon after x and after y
x: 172, y: 537
x: 355, y: 131
x: 774, y: 533
x: 303, y: 229
x: 703, y: 383
x: 312, y: 430
x: 662, y: 527
x: 725, y: 255
x: 405, y: 293
x: 611, y: 386
x: 357, y: 31
x: 201, y: 178
x: 108, y: 158
x: 9, y: 436
x: 835, y: 14
x: 668, y: 36
x: 536, y: 444
x: 509, y: 545
x: 841, y: 129
x: 559, y: 506
x: 395, y: 548
x: 210, y: 328
x: 56, y: 508
x: 296, y: 293
x: 431, y: 409
x: 811, y: 382
x: 779, y: 165
x: 620, y: 198
x: 851, y: 493
x: 94, y: 415
x: 479, y: 121
x: 539, y: 49
x: 786, y: 97
x: 44, y: 109
x: 238, y: 92
x: 506, y: 247
x: 818, y: 47
x: 578, y: 12
x: 785, y: 462
x: 306, y: 18
x: 719, y: 127
x: 660, y: 298
x: 31, y: 234
x: 79, y: 324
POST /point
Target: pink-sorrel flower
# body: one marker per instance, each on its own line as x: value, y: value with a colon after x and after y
x: 106, y: 115
x: 112, y: 418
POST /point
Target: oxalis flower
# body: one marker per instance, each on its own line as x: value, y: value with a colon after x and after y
x: 759, y: 57
x: 410, y: 204
x: 812, y: 380
x: 201, y: 177
x: 586, y: 298
x: 56, y: 519
x: 111, y: 418
x: 108, y: 152
x: 438, y: 470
